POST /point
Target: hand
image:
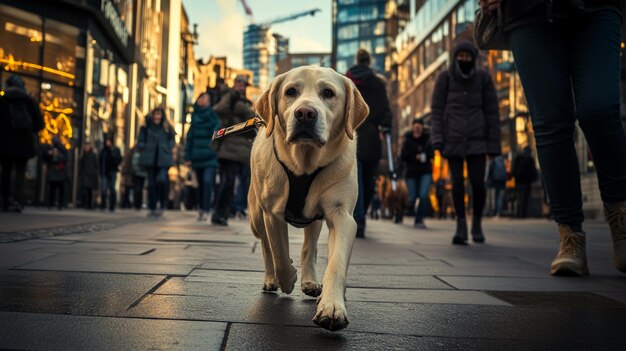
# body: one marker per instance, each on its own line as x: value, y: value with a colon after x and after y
x: 487, y: 6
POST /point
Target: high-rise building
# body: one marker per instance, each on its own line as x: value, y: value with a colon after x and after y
x: 368, y: 24
x: 262, y: 49
x: 294, y: 60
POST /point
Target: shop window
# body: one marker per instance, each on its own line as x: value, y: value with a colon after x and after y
x: 58, y: 107
x: 62, y: 49
x: 20, y: 41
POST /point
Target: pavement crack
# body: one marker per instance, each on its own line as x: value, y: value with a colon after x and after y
x: 150, y: 292
x: 226, y: 334
x: 148, y: 252
x: 443, y: 281
x: 254, y: 246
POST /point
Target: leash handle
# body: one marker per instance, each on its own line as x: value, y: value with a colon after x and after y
x: 239, y: 128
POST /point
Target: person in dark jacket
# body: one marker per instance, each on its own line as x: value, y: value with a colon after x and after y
x: 155, y: 144
x: 55, y: 156
x: 139, y: 176
x: 525, y: 173
x: 496, y: 178
x: 466, y: 127
x: 110, y: 160
x: 199, y: 153
x: 88, y: 173
x: 369, y: 141
x: 568, y: 56
x: 417, y: 154
x: 20, y: 120
x: 233, y: 153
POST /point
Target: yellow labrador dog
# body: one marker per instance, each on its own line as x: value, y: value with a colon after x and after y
x: 303, y: 172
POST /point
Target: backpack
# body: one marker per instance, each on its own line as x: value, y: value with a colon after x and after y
x: 19, y: 116
x: 498, y: 172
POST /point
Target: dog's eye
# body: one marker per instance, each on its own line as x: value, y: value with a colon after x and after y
x: 328, y: 94
x: 291, y: 92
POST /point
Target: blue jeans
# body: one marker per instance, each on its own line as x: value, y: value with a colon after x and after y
x: 499, y: 188
x: 570, y: 71
x: 108, y: 185
x: 206, y: 179
x: 158, y: 187
x: 366, y: 173
x: 418, y: 188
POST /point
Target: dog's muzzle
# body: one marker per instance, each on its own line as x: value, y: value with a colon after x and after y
x: 305, y: 127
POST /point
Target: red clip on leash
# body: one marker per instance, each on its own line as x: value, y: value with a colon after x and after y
x: 252, y: 123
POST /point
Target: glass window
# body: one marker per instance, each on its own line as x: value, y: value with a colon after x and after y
x: 342, y: 66
x: 348, y: 31
x: 380, y: 47
x: 61, y: 50
x: 20, y: 40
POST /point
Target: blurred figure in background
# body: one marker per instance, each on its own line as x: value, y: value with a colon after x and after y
x: 126, y: 179
x: 233, y: 153
x: 20, y: 120
x: 369, y: 142
x: 525, y: 173
x: 417, y: 154
x: 110, y: 160
x: 88, y: 173
x: 465, y: 127
x: 155, y: 143
x: 199, y: 152
x: 496, y: 178
x: 55, y: 157
x: 139, y: 178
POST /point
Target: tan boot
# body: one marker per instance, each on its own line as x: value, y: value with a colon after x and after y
x: 571, y: 260
x: 616, y: 217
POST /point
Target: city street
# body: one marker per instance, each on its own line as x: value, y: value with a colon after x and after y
x: 119, y: 281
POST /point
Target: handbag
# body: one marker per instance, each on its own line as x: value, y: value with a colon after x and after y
x: 489, y: 31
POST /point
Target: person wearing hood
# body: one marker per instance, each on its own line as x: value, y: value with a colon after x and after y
x: 199, y: 154
x: 369, y: 142
x: 110, y: 159
x: 20, y: 121
x: 55, y: 156
x: 417, y: 154
x: 88, y: 174
x: 155, y: 144
x: 568, y: 55
x: 465, y: 126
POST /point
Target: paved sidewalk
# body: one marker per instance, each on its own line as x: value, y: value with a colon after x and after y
x: 179, y: 284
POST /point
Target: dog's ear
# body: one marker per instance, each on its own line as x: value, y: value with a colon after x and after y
x: 267, y: 106
x: 356, y: 109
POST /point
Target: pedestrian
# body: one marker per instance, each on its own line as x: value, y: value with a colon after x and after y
x: 233, y: 153
x: 126, y: 179
x: 199, y: 152
x: 568, y: 57
x: 524, y: 173
x: 369, y: 142
x: 239, y: 205
x: 156, y: 141
x: 496, y: 178
x: 88, y: 173
x: 139, y: 175
x: 20, y: 121
x: 110, y: 160
x: 417, y: 155
x: 465, y: 127
x: 55, y: 156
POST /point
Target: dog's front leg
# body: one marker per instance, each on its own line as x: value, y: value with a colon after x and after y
x: 331, y: 310
x: 309, y: 283
x: 277, y: 233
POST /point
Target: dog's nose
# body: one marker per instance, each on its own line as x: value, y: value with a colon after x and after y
x: 305, y: 114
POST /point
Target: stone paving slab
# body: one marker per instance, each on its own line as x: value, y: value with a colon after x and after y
x: 59, y: 332
x: 532, y: 284
x: 72, y: 293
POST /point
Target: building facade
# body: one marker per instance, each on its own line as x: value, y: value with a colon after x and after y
x: 262, y: 50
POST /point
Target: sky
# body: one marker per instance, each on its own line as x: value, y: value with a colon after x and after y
x: 221, y: 24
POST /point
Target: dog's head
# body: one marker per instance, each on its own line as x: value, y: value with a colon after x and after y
x: 312, y: 105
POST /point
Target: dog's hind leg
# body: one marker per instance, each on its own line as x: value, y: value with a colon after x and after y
x: 277, y: 233
x: 309, y: 284
x: 258, y: 229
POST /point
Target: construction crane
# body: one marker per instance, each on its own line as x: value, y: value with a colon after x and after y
x: 281, y: 19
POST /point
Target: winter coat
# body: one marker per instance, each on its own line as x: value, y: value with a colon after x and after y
x: 524, y: 170
x: 88, y: 170
x: 127, y: 169
x: 464, y: 118
x: 137, y: 169
x: 110, y: 159
x: 413, y: 147
x: 56, y: 164
x: 20, y: 120
x: 155, y: 144
x: 198, y: 147
x: 232, y: 109
x: 518, y: 13
x: 372, y: 88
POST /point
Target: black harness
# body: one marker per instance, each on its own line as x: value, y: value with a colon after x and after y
x: 298, y: 190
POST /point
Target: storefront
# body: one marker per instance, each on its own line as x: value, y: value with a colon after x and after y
x: 74, y: 57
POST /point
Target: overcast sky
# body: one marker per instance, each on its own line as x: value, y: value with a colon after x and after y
x: 221, y: 24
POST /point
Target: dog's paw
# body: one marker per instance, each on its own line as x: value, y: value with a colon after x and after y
x: 270, y: 285
x: 287, y: 279
x: 311, y: 288
x: 331, y: 316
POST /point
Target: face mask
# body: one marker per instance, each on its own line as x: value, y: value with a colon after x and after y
x: 466, y: 67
